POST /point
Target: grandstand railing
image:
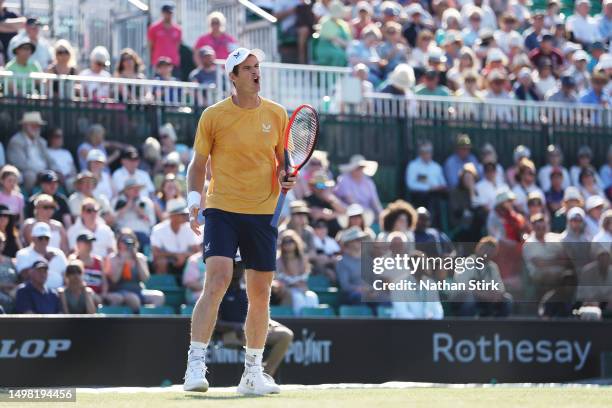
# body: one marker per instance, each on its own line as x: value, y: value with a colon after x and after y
x: 292, y: 85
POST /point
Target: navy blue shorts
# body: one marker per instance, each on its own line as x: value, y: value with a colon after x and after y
x: 225, y: 232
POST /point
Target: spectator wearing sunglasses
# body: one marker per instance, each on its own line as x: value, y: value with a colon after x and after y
x: 89, y: 222
x: 40, y: 250
x: 99, y: 61
x: 35, y: 296
x: 44, y: 207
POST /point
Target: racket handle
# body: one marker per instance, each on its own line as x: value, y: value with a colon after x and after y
x: 279, y: 208
x: 200, y: 217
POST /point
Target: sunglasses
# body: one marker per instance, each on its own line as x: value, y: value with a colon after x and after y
x: 90, y: 210
x: 41, y: 238
x: 62, y: 52
x: 47, y: 207
x: 287, y: 241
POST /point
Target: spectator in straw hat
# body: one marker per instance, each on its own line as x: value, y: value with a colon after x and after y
x: 28, y: 151
x: 357, y: 216
x: 172, y: 240
x: 323, y: 203
x: 85, y: 185
x: 355, y: 185
x: 348, y: 268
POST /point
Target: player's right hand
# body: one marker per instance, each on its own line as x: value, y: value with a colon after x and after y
x: 193, y: 220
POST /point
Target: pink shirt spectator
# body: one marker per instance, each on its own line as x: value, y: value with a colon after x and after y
x: 222, y: 45
x: 165, y: 42
x: 361, y: 192
x: 14, y: 201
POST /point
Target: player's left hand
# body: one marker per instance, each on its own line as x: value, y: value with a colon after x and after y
x: 287, y: 184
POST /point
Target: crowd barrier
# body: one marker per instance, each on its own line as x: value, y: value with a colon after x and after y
x: 150, y: 351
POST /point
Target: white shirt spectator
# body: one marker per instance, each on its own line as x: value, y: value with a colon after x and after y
x: 486, y: 192
x: 164, y: 238
x: 130, y: 218
x: 489, y: 19
x: 544, y: 177
x: 63, y: 161
x: 504, y: 39
x: 76, y: 200
x: 544, y: 86
x: 422, y: 176
x: 584, y: 28
x: 121, y: 175
x: 427, y: 307
x: 105, y: 242
x: 104, y: 187
x: 26, y: 257
x: 521, y: 192
x: 328, y: 245
x: 575, y: 177
x: 96, y: 90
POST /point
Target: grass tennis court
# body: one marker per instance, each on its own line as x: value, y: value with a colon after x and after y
x: 498, y: 397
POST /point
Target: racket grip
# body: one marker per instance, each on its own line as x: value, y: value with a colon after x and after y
x: 200, y: 217
x: 279, y: 208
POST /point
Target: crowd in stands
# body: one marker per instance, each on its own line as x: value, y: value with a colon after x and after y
x: 501, y: 50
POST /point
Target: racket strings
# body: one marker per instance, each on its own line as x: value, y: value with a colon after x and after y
x: 302, y: 136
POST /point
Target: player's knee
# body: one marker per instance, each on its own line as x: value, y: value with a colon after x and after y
x: 216, y: 284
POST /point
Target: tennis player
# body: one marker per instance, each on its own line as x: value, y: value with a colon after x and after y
x: 244, y: 137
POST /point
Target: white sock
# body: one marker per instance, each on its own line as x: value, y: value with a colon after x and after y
x: 253, y: 357
x: 197, y: 349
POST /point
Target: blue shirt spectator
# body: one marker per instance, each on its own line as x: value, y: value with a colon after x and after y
x: 604, y: 21
x: 596, y: 95
x: 455, y: 162
x: 423, y: 174
x: 33, y: 297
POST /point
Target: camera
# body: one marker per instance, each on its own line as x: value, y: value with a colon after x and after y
x: 128, y: 241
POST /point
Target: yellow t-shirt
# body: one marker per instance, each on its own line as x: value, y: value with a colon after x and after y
x: 242, y: 144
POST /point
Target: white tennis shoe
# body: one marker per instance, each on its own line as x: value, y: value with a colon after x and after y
x: 195, y: 376
x: 255, y: 382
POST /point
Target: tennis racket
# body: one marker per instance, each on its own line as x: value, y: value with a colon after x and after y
x: 300, y: 140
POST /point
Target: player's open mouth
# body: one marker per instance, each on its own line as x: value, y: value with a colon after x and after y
x: 256, y: 80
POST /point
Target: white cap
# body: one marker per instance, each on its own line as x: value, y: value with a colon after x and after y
x: 581, y: 55
x: 237, y: 56
x: 168, y: 130
x: 41, y: 229
x: 96, y: 155
x: 605, y: 61
x: 594, y: 201
x: 575, y: 212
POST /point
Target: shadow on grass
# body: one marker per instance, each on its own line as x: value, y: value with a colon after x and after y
x: 217, y: 397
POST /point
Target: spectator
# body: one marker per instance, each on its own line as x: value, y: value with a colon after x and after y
x: 547, y: 52
x: 571, y: 198
x: 135, y: 211
x: 472, y: 27
x: 566, y: 93
x: 193, y: 277
x: 497, y: 80
x: 318, y: 161
x: 99, y: 61
x: 130, y: 66
x: 579, y: 70
x: 10, y: 23
x: 49, y: 184
x: 399, y: 216
x: 169, y: 145
x: 170, y: 189
x: 582, y: 26
x: 363, y: 19
x: 44, y: 207
x: 163, y: 72
x: 604, y: 234
x: 429, y: 240
x: 10, y: 195
x: 503, y: 36
x: 467, y: 218
x: 594, y: 280
x: 8, y: 278
x: 400, y: 81
x: 172, y: 240
x: 415, y: 24
x: 487, y: 187
x: 217, y: 39
x: 489, y: 155
x: 128, y: 271
x: 76, y: 297
x: 12, y: 242
x: 424, y: 177
x: 598, y: 50
x: 559, y: 33
x: 431, y: 85
x: 455, y: 162
x: 470, y: 88
x: 520, y: 152
x: 357, y: 216
x: 164, y: 38
x: 40, y: 250
x: 94, y: 268
x: 525, y: 89
x: 533, y: 34
x: 41, y: 53
x: 594, y: 208
x: 605, y: 174
x: 348, y: 269
x: 95, y: 139
x: 525, y: 184
x: 292, y: 270
x: 298, y: 222
x: 130, y: 160
x: 588, y: 184
x: 89, y: 223
x: 28, y: 151
x: 96, y: 164
x: 323, y: 202
x: 64, y: 62
x: 334, y: 37
x: 604, y: 22
x: 62, y: 158
x: 483, y: 303
x: 418, y: 54
x: 596, y: 95
x: 206, y: 71
x: 355, y: 185
x: 85, y: 185
x: 489, y: 19
x: 554, y: 195
x: 543, y: 255
x: 585, y: 155
x: 364, y: 51
x: 35, y: 296
x: 326, y: 248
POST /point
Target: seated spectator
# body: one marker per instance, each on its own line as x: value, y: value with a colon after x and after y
x: 348, y: 269
x: 357, y: 216
x: 393, y: 50
x: 554, y: 195
x: 364, y: 51
x: 605, y: 174
x: 554, y: 157
x: 62, y: 158
x: 424, y: 176
x: 292, y: 270
x: 483, y: 303
x: 49, y: 185
x: 363, y: 19
x: 594, y: 208
x: 128, y: 271
x: 318, y: 161
x: 418, y: 55
x: 470, y: 87
x: 99, y: 61
x: 595, y: 280
x: 10, y: 195
x: 8, y: 279
x: 431, y: 85
x: 323, y: 203
x: 604, y: 22
x: 172, y: 240
x: 42, y: 53
x: 520, y: 152
x: 76, y: 297
x: 543, y: 255
x: 466, y: 62
x: 547, y: 52
x: 497, y: 80
x: 22, y: 64
x: 89, y: 222
x: 85, y: 185
x: 96, y: 164
x: 221, y: 42
x: 456, y: 162
x: 326, y: 249
x: 28, y: 151
x: 169, y: 145
x: 566, y: 93
x: 135, y: 212
x: 533, y: 34
x: 400, y: 82
x: 355, y: 185
x: 95, y: 139
x: 604, y: 234
x: 95, y: 269
x: 130, y: 66
x: 507, y: 31
x: 170, y: 189
x: 571, y: 198
x: 40, y: 250
x: 578, y: 70
x: 64, y: 62
x: 130, y: 160
x: 576, y: 239
x: 399, y: 216
x: 193, y: 277
x: 489, y: 19
x: 10, y: 231
x: 535, y: 205
x: 334, y: 37
x: 44, y: 207
x: 467, y: 218
x: 524, y: 88
x: 206, y: 71
x: 544, y: 79
x: 588, y: 184
x: 585, y: 156
x: 416, y: 23
x: 298, y: 222
x: 35, y: 296
x: 596, y: 95
x: 429, y: 240
x: 583, y: 27
x: 525, y: 184
x: 163, y: 72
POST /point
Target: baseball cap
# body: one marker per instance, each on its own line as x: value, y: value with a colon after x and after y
x: 568, y: 80
x: 238, y: 56
x: 39, y: 264
x: 579, y: 2
x: 581, y: 55
x: 33, y: 21
x: 47, y: 176
x: 207, y: 50
x: 130, y: 153
x: 41, y: 229
x: 86, y: 237
x: 95, y: 155
x: 168, y: 8
x: 163, y: 61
